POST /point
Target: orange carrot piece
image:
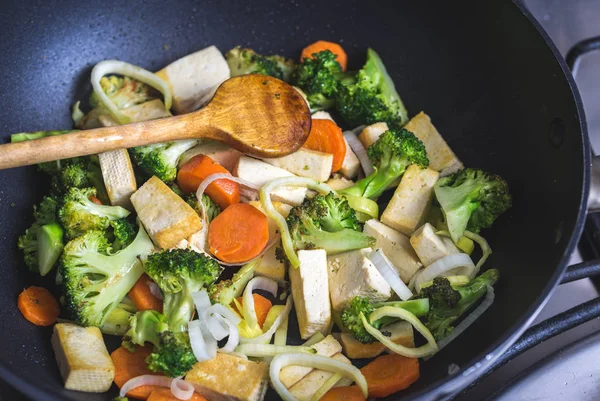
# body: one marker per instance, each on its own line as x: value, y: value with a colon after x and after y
x: 164, y: 394
x: 391, y: 373
x: 346, y: 393
x: 133, y: 364
x: 223, y: 192
x: 95, y: 200
x: 142, y: 297
x: 321, y: 45
x: 325, y: 136
x: 238, y: 234
x: 261, y: 306
x: 38, y: 306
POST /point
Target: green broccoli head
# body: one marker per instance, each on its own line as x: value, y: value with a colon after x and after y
x: 309, y: 222
x: 440, y: 292
x: 472, y: 199
x: 319, y: 78
x: 225, y: 291
x: 118, y: 320
x: 212, y: 209
x: 370, y: 96
x: 179, y: 273
x: 121, y: 233
x: 391, y: 154
x: 78, y: 214
x: 352, y: 321
x: 247, y: 61
x: 160, y: 159
x: 95, y: 281
x: 145, y: 326
x: 44, y: 214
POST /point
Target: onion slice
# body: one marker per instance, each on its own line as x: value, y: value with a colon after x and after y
x: 155, y: 290
x: 181, y: 389
x: 312, y: 361
x: 266, y: 336
x: 454, y: 264
x: 328, y: 385
x: 204, y: 345
x: 257, y: 283
x: 122, y: 68
x: 144, y: 380
x: 486, y: 250
x: 360, y: 151
x: 264, y: 350
x: 389, y: 273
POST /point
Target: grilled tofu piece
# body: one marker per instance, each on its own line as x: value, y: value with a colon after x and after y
x: 411, y: 201
x: 166, y: 217
x: 351, y: 165
x: 219, y: 152
x: 429, y: 246
x: 305, y: 163
x: 83, y: 361
x: 396, y: 246
x: 310, y: 290
x: 371, y: 133
x: 230, y: 378
x: 400, y: 332
x: 118, y: 176
x: 441, y: 157
x: 193, y: 79
x: 311, y: 383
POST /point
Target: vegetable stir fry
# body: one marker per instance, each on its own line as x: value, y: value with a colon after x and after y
x: 198, y: 257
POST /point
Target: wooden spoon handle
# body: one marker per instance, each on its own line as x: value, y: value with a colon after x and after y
x: 99, y: 140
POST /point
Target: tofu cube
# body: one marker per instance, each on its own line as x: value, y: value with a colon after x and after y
x: 305, y: 163
x: 166, y: 217
x: 311, y: 383
x: 400, y: 333
x: 193, y: 79
x: 429, y: 246
x: 411, y: 201
x: 351, y: 165
x: 310, y: 290
x: 371, y: 133
x: 219, y: 152
x: 290, y: 375
x: 396, y: 246
x: 337, y: 183
x: 83, y: 361
x: 230, y: 378
x: 441, y: 157
x: 118, y: 176
x: 353, y: 274
x: 260, y: 173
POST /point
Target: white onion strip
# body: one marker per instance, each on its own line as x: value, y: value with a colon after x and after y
x: 201, y: 301
x: 144, y: 380
x: 204, y: 345
x: 129, y: 70
x: 486, y: 250
x: 360, y: 151
x: 267, y: 204
x: 454, y: 264
x: 316, y: 362
x: 181, y: 389
x: 257, y: 283
x: 265, y: 350
x: 155, y: 290
x: 328, y: 385
x: 266, y: 336
x: 389, y: 273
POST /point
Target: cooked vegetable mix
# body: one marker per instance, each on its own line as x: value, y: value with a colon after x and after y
x: 200, y: 257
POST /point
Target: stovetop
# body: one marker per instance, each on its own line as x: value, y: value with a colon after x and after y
x: 563, y: 367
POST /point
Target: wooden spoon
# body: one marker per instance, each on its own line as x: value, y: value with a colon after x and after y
x: 255, y: 114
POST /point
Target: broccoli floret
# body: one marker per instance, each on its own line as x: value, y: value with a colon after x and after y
x: 319, y: 78
x: 78, y: 214
x: 391, y: 154
x: 446, y: 307
x: 160, y: 159
x: 247, y: 61
x: 308, y: 231
x: 212, y: 209
x: 225, y: 291
x: 334, y: 213
x: 117, y: 321
x: 96, y: 281
x: 370, y: 96
x: 179, y: 273
x: 44, y: 214
x: 471, y: 199
x: 121, y: 233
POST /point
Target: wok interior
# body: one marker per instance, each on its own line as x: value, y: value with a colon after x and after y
x: 479, y: 69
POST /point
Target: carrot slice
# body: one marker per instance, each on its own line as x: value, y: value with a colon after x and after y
x: 38, y: 306
x: 261, y: 306
x: 142, y: 297
x: 95, y: 200
x: 347, y: 393
x: 321, y: 45
x: 223, y: 192
x: 133, y: 364
x: 238, y: 234
x: 388, y: 374
x: 325, y: 136
x: 164, y: 394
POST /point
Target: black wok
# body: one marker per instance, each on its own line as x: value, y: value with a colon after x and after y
x: 494, y: 85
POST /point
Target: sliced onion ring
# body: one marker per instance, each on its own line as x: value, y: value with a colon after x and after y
x: 155, y: 290
x: 266, y: 337
x: 265, y: 350
x: 204, y: 345
x: 257, y: 283
x: 144, y: 380
x: 181, y: 389
x: 312, y: 361
x: 360, y: 151
x: 389, y: 273
x: 454, y: 264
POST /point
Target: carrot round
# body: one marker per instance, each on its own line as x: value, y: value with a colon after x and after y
x: 261, y: 307
x: 165, y: 394
x: 238, y: 234
x: 223, y: 192
x: 142, y: 297
x: 346, y: 393
x: 133, y: 364
x: 325, y: 136
x: 38, y: 306
x: 321, y: 45
x: 388, y: 374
